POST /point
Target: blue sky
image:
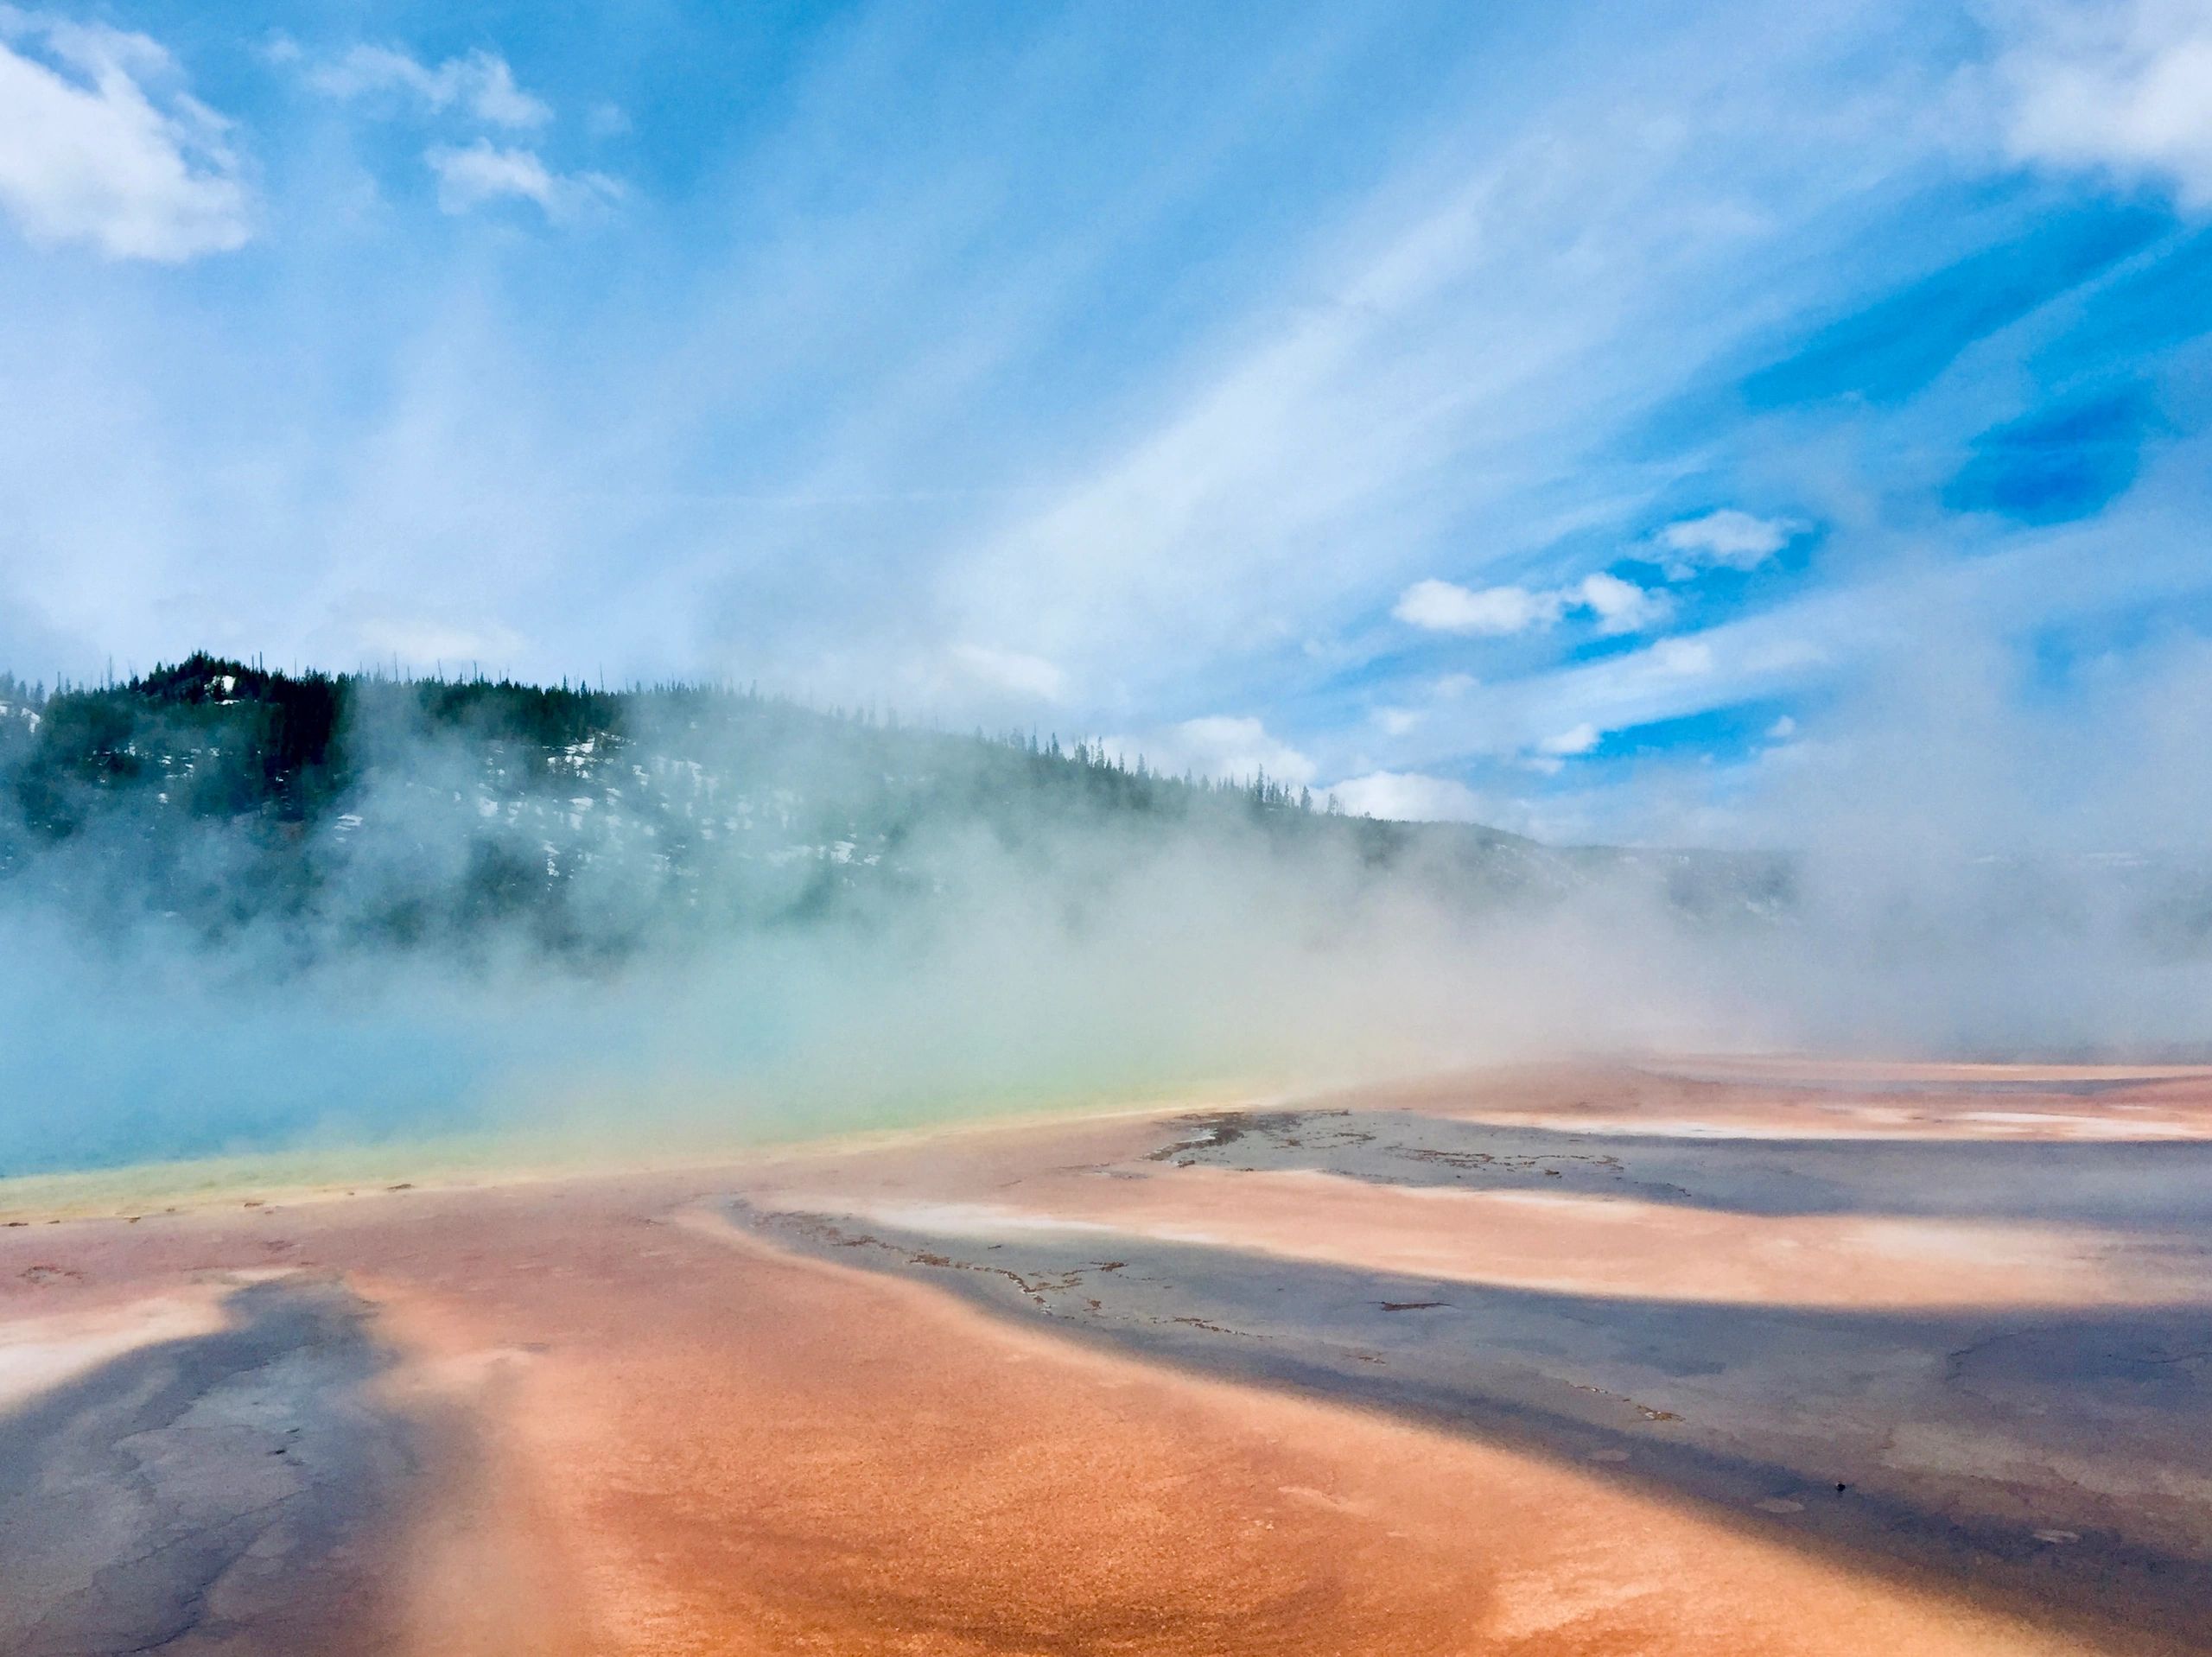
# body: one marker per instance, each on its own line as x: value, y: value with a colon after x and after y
x: 1672, y: 421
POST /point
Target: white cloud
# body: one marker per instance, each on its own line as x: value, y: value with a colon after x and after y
x: 1620, y: 606
x: 480, y: 83
x: 1728, y: 539
x: 1396, y: 721
x: 472, y: 176
x: 480, y: 86
x: 1579, y: 739
x: 1529, y: 718
x: 1767, y: 654
x: 1782, y: 730
x: 1219, y: 744
x: 1444, y: 607
x: 2125, y: 89
x: 1012, y: 671
x: 89, y: 153
x: 1408, y: 797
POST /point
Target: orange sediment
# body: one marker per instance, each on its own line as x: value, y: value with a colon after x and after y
x: 731, y: 1451
x: 650, y: 1433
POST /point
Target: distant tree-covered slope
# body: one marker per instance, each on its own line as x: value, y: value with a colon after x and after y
x: 348, y: 808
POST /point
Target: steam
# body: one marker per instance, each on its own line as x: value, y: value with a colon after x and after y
x: 2003, y: 852
x: 762, y: 933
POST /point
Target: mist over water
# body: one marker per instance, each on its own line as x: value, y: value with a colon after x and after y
x: 686, y: 917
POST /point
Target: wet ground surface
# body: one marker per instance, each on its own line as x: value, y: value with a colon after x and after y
x: 1763, y: 1412
x: 221, y: 1493
x: 2147, y: 1186
x: 2061, y: 1454
x: 1699, y: 1361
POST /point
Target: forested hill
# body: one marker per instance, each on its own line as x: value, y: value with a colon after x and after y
x: 221, y: 796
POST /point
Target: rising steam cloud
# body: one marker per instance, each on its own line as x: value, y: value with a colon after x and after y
x: 771, y: 921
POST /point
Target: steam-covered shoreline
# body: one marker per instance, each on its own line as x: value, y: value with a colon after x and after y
x: 242, y: 912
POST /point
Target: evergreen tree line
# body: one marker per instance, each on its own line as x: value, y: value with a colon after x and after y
x: 219, y: 792
x: 264, y: 740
